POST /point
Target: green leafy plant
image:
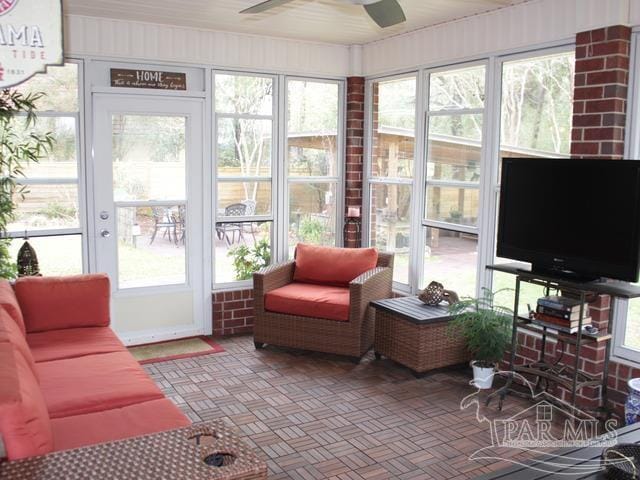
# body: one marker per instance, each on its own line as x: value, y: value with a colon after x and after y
x: 486, y: 327
x: 19, y: 146
x: 247, y: 260
x: 311, y: 230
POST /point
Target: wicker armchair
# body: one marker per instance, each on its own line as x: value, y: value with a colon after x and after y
x: 352, y: 338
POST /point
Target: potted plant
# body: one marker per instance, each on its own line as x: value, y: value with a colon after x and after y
x: 247, y: 260
x: 487, y: 330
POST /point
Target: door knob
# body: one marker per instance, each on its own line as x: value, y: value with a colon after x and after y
x: 104, y: 215
x: 105, y: 233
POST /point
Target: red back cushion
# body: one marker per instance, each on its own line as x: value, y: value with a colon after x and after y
x: 11, y: 333
x: 50, y: 303
x: 332, y: 266
x: 24, y: 421
x: 9, y: 302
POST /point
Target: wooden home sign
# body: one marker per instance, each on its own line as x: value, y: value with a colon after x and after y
x: 148, y: 79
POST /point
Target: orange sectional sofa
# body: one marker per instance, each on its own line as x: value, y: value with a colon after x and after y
x: 66, y: 380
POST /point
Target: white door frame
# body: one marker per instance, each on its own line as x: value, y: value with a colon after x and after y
x: 198, y: 184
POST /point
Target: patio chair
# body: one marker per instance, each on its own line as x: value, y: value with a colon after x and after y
x: 162, y: 220
x: 224, y: 228
x: 251, y: 210
x: 320, y: 301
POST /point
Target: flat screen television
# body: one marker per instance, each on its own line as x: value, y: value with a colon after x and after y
x: 569, y: 217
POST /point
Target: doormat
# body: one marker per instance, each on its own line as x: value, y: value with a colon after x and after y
x: 175, y: 349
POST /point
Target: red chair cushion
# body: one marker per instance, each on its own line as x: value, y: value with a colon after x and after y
x: 309, y: 300
x: 332, y: 266
x: 131, y: 421
x: 73, y: 343
x: 50, y: 303
x: 24, y: 421
x: 9, y: 302
x: 10, y: 333
x: 94, y: 383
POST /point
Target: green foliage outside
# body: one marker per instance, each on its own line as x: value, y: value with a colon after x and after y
x: 311, y: 230
x: 486, y: 327
x: 247, y: 260
x: 20, y: 145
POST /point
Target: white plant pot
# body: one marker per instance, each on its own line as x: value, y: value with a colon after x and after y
x: 482, y: 377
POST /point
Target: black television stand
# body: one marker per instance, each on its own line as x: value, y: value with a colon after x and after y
x: 550, y: 371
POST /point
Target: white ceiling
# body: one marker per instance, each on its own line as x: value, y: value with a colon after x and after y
x: 332, y: 21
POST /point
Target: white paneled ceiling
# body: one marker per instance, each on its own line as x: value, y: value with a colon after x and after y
x: 333, y: 21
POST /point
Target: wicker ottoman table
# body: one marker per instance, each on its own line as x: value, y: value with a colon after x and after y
x: 416, y: 335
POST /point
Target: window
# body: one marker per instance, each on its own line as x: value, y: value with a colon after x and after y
x: 626, y: 320
x: 50, y: 212
x: 535, y: 121
x: 455, y: 117
x: 244, y: 149
x: 391, y: 167
x: 313, y: 162
x: 274, y: 166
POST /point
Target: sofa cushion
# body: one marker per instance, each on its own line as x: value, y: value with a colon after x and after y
x: 10, y: 333
x: 24, y: 422
x: 73, y: 343
x: 309, y: 300
x: 50, y: 303
x: 134, y: 420
x: 93, y: 383
x: 9, y: 302
x: 331, y: 265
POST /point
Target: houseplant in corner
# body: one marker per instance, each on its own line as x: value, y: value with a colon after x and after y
x: 487, y: 330
x: 19, y: 146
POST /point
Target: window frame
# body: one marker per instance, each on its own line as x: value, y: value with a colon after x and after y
x: 619, y: 313
x: 280, y: 180
x: 79, y: 181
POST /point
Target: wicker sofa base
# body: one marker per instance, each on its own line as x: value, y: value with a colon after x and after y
x: 419, y: 347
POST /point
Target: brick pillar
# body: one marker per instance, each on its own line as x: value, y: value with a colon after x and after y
x: 601, y: 81
x: 354, y: 155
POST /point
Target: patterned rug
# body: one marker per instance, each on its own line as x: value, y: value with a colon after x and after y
x: 175, y: 349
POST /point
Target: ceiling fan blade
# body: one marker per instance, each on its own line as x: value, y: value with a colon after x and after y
x: 386, y: 13
x: 264, y: 6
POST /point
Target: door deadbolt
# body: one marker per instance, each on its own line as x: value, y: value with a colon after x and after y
x: 104, y: 215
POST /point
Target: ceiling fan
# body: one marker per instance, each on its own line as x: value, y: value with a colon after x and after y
x: 385, y: 13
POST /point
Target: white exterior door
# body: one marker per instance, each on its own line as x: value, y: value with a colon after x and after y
x: 148, y: 184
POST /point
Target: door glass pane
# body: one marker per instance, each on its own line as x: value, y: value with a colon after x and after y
x: 632, y: 325
x: 255, y: 196
x: 60, y: 255
x: 457, y: 89
x: 454, y: 148
x: 390, y: 225
x: 453, y: 205
x: 46, y: 207
x: 241, y: 249
x: 244, y: 147
x: 312, y: 130
x: 151, y: 246
x: 451, y: 258
x: 243, y: 94
x: 394, y: 123
x: 148, y: 157
x: 312, y: 213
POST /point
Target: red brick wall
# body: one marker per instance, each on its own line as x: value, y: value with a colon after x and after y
x: 601, y: 81
x: 232, y: 313
x: 354, y: 155
x: 599, y: 116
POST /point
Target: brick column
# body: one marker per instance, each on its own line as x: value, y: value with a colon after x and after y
x: 601, y: 81
x: 354, y: 164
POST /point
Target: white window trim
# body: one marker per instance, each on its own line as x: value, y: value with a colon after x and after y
x: 620, y: 307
